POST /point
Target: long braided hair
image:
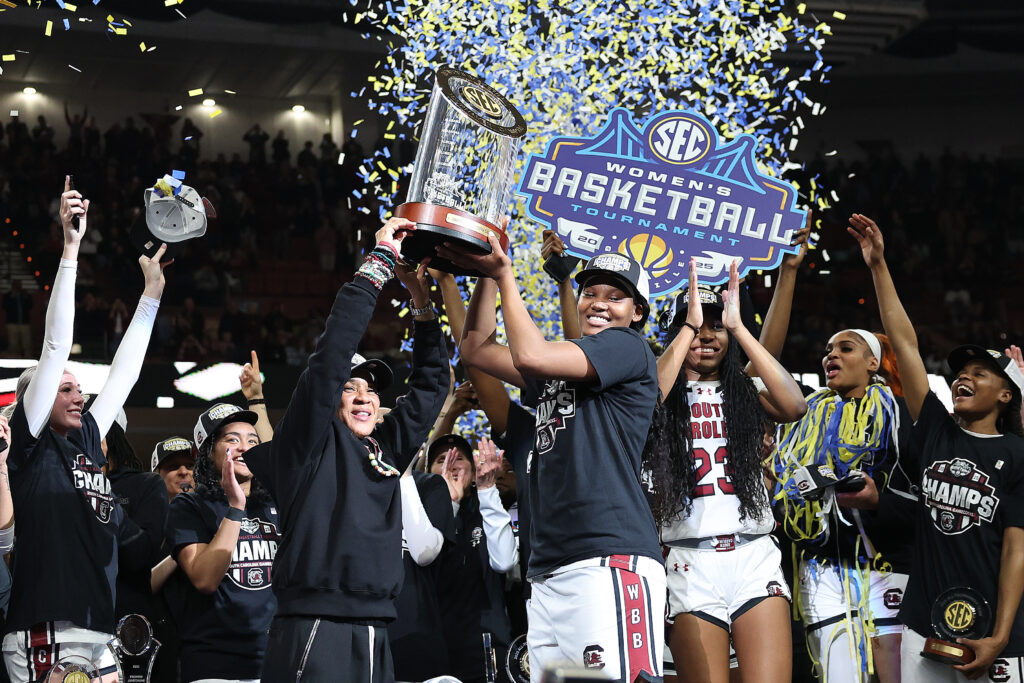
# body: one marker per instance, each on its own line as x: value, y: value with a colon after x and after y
x: 207, y: 476
x: 671, y: 459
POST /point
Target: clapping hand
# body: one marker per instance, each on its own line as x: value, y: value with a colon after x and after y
x: 488, y: 464
x: 731, y: 299
x: 455, y: 487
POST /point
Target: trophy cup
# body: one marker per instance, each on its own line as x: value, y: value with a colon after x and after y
x: 957, y: 613
x: 73, y: 669
x: 462, y: 180
x: 517, y: 661
x: 134, y: 649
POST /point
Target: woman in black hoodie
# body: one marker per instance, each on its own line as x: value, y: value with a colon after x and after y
x: 334, y: 474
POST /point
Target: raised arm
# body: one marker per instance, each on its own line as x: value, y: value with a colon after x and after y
x: 317, y: 393
x: 423, y: 541
x: 776, y: 321
x: 781, y: 397
x: 489, y: 390
x: 671, y: 361
x: 571, y: 329
x: 407, y: 426
x: 895, y: 321
x: 60, y: 316
x: 502, y: 544
x: 127, y: 363
x: 252, y: 388
x: 532, y: 355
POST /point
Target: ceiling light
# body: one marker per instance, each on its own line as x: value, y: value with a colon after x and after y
x: 209, y: 102
x: 30, y: 90
x: 298, y: 108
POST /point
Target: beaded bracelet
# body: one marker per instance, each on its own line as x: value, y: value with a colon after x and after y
x: 376, y: 269
x: 385, y: 255
x: 389, y: 247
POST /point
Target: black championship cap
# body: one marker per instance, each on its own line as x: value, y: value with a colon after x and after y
x: 962, y: 355
x: 625, y: 270
x: 446, y: 441
x: 170, y: 448
x: 378, y: 370
x: 676, y: 316
x: 219, y: 414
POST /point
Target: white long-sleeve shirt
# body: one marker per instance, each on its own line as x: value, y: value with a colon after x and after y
x: 502, y: 543
x: 422, y: 539
x: 57, y: 340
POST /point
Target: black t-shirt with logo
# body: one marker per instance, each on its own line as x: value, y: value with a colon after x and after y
x: 64, y: 563
x: 517, y: 442
x: 586, y: 495
x: 972, y: 489
x: 224, y: 635
x: 418, y: 646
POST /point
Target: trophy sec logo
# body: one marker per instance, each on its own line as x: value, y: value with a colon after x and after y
x: 663, y: 193
x: 482, y: 102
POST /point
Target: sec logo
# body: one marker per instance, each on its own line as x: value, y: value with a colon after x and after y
x: 680, y: 140
x: 482, y: 102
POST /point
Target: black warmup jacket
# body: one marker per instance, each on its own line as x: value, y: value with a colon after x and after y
x: 341, y: 521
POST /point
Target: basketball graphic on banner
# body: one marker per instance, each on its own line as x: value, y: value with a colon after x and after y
x: 650, y: 251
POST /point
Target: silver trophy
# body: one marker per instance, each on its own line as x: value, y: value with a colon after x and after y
x: 134, y: 649
x: 462, y: 179
x: 73, y: 669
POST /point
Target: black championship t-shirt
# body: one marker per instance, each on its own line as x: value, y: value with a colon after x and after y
x: 517, y: 442
x: 972, y: 488
x: 224, y: 635
x: 418, y: 646
x: 586, y: 496
x: 65, y: 560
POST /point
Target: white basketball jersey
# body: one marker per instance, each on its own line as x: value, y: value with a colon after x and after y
x: 716, y: 508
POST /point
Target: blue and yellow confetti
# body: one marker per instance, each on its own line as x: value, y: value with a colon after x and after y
x: 744, y: 64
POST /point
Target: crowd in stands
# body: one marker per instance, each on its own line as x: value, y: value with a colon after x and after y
x: 272, y: 207
x: 255, y: 280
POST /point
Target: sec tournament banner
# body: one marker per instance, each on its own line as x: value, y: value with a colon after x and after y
x: 663, y: 193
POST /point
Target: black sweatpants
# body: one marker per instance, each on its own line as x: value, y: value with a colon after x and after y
x: 307, y: 650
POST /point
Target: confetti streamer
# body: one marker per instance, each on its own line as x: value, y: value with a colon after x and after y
x: 565, y: 65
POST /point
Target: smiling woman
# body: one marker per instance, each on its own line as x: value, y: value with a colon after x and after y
x: 62, y: 497
x: 224, y: 537
x: 711, y: 500
x: 853, y: 548
x: 333, y: 470
x: 971, y: 464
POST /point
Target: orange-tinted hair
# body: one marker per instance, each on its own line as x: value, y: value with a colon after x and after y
x: 888, y: 367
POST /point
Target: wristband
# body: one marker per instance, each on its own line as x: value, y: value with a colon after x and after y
x: 257, y: 402
x: 385, y: 245
x: 696, y: 330
x: 234, y: 515
x: 429, y: 308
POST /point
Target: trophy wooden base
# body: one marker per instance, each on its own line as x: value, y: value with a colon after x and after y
x: 436, y: 224
x: 947, y: 652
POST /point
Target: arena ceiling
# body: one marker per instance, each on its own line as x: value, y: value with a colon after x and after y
x: 293, y: 49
